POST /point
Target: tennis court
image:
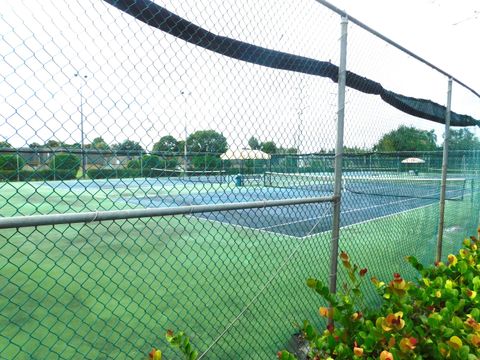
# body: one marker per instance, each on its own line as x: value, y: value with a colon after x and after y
x: 364, y: 198
x: 171, y: 166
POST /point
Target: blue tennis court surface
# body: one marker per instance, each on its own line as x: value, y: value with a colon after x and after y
x: 294, y: 220
x: 363, y: 199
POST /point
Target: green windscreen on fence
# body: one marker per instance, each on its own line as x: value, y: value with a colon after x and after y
x: 176, y: 170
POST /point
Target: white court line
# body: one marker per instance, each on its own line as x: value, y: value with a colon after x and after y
x: 369, y: 220
x: 264, y: 229
x: 276, y: 233
x: 343, y: 212
x: 243, y: 227
x: 377, y: 218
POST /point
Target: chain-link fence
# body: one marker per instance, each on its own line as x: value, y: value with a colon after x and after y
x: 180, y: 165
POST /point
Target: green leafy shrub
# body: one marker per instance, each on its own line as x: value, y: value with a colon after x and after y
x: 11, y: 162
x: 64, y: 161
x: 121, y: 173
x: 37, y: 175
x: 206, y: 162
x: 148, y: 162
x: 179, y: 341
x: 435, y: 317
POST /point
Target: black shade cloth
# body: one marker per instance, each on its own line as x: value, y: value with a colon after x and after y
x: 160, y: 18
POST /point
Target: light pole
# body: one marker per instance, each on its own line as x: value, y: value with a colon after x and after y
x: 82, y: 133
x: 185, y: 160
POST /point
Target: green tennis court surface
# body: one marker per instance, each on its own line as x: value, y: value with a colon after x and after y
x: 112, y: 289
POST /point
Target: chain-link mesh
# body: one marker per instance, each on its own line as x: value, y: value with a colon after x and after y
x: 109, y: 114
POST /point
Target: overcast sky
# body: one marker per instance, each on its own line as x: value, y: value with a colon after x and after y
x: 444, y: 32
x: 142, y: 84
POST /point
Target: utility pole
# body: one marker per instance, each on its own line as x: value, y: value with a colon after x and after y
x: 82, y: 120
x: 185, y: 95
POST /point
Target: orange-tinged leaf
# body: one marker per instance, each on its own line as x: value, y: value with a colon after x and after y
x: 455, y: 342
x: 452, y: 259
x: 407, y: 344
x: 323, y: 311
x: 386, y: 355
x: 475, y: 340
x: 358, y: 351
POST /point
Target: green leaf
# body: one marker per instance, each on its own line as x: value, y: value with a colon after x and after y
x: 462, y: 267
x: 194, y: 355
x: 285, y: 355
x: 438, y: 282
x: 357, y: 291
x: 464, y: 352
x: 475, y: 314
x: 448, y: 332
x: 414, y: 262
x: 312, y: 283
x: 476, y: 283
x: 434, y: 320
x: 419, y: 330
x: 309, y: 332
x: 370, y: 342
x: 456, y: 322
x: 331, y: 342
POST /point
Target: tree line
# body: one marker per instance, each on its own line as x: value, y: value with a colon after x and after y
x: 404, y: 138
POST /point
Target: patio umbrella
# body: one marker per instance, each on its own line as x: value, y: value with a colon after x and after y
x: 245, y: 154
x: 413, y: 160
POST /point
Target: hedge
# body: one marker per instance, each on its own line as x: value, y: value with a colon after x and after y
x: 64, y: 161
x: 120, y: 173
x: 40, y: 175
x: 11, y: 162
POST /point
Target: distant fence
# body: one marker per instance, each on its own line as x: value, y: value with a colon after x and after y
x: 121, y: 217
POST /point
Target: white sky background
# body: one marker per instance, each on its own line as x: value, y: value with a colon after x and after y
x: 136, y: 74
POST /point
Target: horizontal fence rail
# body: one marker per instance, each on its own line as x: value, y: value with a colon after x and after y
x: 87, y: 217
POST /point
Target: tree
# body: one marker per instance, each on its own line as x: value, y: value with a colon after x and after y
x: 70, y: 146
x: 52, y: 144
x: 206, y: 162
x: 282, y: 150
x: 166, y: 144
x: 11, y: 162
x: 64, y: 161
x: 148, y: 162
x: 34, y: 145
x: 463, y: 139
x: 207, y: 145
x: 5, y: 145
x: 99, y: 144
x: 407, y: 138
x: 181, y: 146
x: 355, y: 150
x: 269, y: 147
x: 207, y: 141
x: 254, y: 144
x: 128, y: 145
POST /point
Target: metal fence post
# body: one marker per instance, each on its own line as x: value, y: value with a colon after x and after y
x: 444, y: 172
x: 338, y: 156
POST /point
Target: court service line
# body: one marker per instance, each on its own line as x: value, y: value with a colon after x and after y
x: 343, y: 212
x: 373, y: 219
x: 243, y: 227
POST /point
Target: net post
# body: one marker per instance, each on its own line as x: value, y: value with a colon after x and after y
x: 444, y: 173
x: 338, y: 157
x: 18, y: 166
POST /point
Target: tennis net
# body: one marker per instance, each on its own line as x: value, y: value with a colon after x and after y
x: 209, y: 177
x: 385, y: 185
